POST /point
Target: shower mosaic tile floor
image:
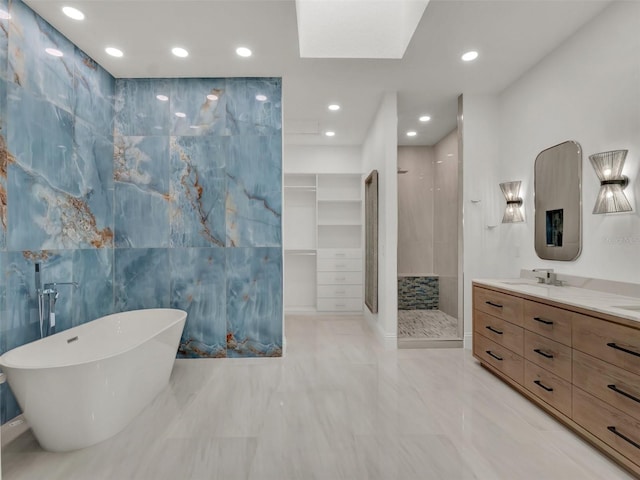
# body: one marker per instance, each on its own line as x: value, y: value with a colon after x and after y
x: 426, y: 324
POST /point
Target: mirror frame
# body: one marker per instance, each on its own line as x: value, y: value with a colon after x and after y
x: 549, y: 197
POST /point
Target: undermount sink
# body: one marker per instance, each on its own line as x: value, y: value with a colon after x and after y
x: 635, y: 308
x: 520, y: 282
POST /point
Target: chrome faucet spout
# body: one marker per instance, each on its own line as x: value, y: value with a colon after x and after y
x: 549, y: 277
x: 53, y: 285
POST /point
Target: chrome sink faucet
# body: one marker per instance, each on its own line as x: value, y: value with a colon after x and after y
x: 548, y: 277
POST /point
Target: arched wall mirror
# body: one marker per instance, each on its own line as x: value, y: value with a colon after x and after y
x: 558, y: 202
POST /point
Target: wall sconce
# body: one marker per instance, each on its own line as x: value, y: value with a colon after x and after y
x: 513, y: 212
x: 608, y: 167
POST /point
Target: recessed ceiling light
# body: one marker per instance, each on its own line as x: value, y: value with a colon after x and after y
x: 114, y: 52
x: 411, y: 133
x: 439, y: 161
x: 449, y: 154
x: 329, y: 133
x: 244, y: 52
x: 181, y: 114
x: 179, y: 52
x: 54, y: 52
x: 73, y: 13
x: 469, y: 56
x: 261, y: 98
x: 212, y: 97
x: 334, y: 107
x: 162, y: 98
x: 4, y: 15
x: 424, y: 118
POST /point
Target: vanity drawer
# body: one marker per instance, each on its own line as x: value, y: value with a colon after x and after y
x: 498, y: 357
x: 611, y: 384
x: 339, y: 278
x: 549, y: 387
x: 339, y: 253
x: 608, y: 424
x: 613, y: 343
x: 506, y: 307
x: 550, y: 322
x: 546, y: 353
x: 339, y: 304
x: 339, y: 265
x: 503, y: 333
x: 339, y: 291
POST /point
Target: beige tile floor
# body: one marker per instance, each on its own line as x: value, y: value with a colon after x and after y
x: 337, y: 406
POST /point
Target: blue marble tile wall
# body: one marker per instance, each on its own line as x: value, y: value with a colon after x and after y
x: 148, y: 192
x: 418, y: 293
x: 56, y: 179
x: 198, y: 208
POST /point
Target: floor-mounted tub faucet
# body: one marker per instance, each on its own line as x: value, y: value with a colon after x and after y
x: 47, y: 298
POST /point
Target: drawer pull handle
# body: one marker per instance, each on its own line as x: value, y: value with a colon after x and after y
x: 625, y: 394
x: 490, y: 328
x: 497, y: 305
x: 544, y: 354
x: 542, y: 385
x: 491, y: 354
x: 613, y: 430
x: 617, y: 347
x: 542, y: 320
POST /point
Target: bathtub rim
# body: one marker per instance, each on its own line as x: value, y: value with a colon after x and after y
x: 180, y: 318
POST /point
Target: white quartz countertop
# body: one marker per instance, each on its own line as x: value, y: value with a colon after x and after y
x: 602, y: 302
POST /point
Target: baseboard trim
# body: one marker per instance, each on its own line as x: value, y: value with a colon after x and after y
x: 429, y: 343
x: 387, y: 340
x: 13, y: 429
x: 468, y: 340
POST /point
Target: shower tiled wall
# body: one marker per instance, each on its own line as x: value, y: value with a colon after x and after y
x: 105, y: 185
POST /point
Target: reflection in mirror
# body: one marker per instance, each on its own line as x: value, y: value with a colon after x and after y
x: 558, y: 204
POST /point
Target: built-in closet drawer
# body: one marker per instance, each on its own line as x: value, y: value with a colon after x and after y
x: 620, y: 431
x: 498, y: 357
x: 339, y: 304
x: 339, y: 278
x: 611, y: 342
x: 506, y: 307
x: 340, y: 265
x: 339, y: 253
x: 609, y: 383
x: 548, y: 354
x: 503, y: 333
x: 339, y: 291
x: 547, y: 386
x: 548, y: 321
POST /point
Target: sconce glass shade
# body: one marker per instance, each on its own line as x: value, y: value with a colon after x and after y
x: 608, y: 167
x: 513, y: 212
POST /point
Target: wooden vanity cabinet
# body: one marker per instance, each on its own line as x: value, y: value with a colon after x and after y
x: 581, y: 366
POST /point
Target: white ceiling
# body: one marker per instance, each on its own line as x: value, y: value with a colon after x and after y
x: 511, y: 36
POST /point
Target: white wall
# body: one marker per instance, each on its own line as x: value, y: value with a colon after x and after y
x: 587, y: 90
x: 322, y: 159
x: 380, y: 152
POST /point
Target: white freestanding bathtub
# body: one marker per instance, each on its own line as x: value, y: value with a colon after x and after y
x: 83, y: 385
